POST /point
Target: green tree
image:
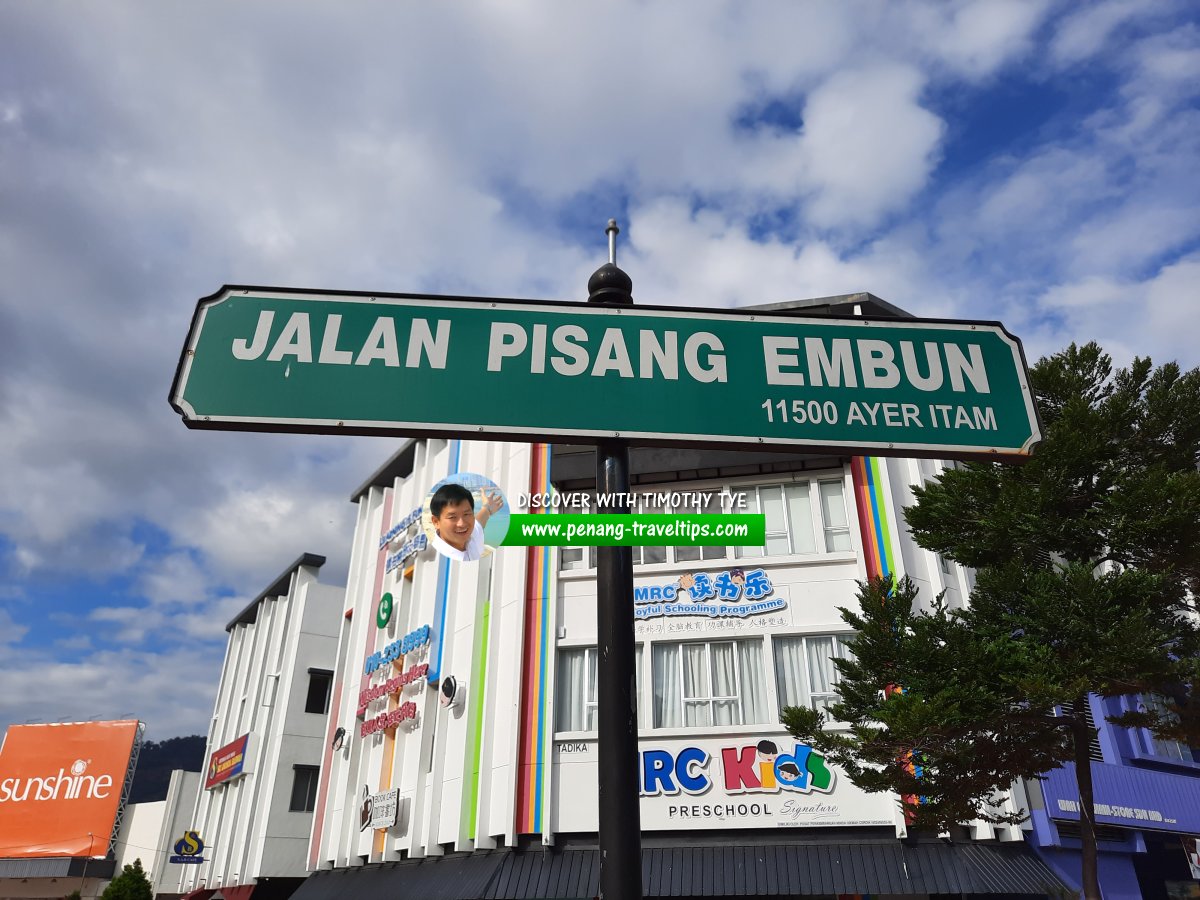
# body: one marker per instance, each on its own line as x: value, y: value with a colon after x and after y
x: 1087, y: 561
x: 131, y: 884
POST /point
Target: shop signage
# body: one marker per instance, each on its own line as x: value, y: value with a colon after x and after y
x: 405, y: 714
x: 751, y: 768
x: 1129, y: 796
x: 189, y: 849
x: 400, y: 527
x: 60, y: 787
x: 411, y: 677
x: 381, y: 810
x: 383, y: 614
x: 405, y: 553
x: 268, y: 359
x: 734, y: 593
x: 396, y: 649
x: 229, y: 762
x: 731, y: 782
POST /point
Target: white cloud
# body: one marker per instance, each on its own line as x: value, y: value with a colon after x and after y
x: 161, y: 690
x: 10, y: 631
x: 762, y: 152
x: 868, y: 145
x: 707, y: 260
x: 981, y: 36
x: 1084, y: 32
x: 1153, y: 317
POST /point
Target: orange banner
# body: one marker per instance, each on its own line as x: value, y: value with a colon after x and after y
x: 60, y: 787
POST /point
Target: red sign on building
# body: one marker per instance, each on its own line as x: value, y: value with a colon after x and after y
x: 228, y: 763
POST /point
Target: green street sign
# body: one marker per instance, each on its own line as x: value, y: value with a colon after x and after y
x: 267, y: 359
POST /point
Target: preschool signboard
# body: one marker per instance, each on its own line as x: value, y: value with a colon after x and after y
x: 736, y: 781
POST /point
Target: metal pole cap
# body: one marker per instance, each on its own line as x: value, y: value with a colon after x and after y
x: 610, y: 284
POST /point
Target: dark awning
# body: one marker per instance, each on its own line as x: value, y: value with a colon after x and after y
x: 774, y: 870
x: 432, y: 878
x: 56, y: 867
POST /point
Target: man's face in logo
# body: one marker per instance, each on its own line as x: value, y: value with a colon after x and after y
x: 456, y: 524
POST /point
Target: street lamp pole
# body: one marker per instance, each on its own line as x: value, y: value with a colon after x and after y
x: 620, y: 817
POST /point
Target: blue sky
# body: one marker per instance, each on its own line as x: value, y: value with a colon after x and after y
x: 1033, y: 162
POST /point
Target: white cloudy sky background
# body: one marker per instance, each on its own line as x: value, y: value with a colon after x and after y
x: 1033, y: 162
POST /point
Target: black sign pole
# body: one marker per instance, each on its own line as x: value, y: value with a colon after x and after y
x: 620, y: 817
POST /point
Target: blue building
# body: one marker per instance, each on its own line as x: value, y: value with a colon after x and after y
x: 1147, y: 803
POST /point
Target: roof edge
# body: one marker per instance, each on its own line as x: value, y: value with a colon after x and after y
x: 279, y: 586
x: 398, y: 465
x: 838, y: 304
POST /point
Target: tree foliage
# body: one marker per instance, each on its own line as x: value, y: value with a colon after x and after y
x: 945, y: 743
x: 1087, y: 561
x: 1089, y: 554
x: 131, y: 884
x: 158, y: 759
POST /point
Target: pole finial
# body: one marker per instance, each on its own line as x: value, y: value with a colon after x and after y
x: 608, y: 283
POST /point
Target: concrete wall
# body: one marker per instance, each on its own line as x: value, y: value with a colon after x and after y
x: 245, y: 822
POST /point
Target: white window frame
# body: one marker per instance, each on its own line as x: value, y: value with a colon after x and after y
x: 711, y: 698
x: 591, y: 688
x: 810, y: 698
x: 822, y: 532
x: 583, y: 559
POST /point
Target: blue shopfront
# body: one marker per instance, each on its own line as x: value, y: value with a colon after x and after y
x: 1147, y: 825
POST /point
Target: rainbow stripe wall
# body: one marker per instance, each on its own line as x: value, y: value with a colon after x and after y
x: 873, y: 519
x: 535, y: 675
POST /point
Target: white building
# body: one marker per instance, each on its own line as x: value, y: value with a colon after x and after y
x: 150, y: 830
x: 495, y: 795
x: 254, y: 805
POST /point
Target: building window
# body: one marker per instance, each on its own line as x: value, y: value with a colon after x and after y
x: 577, y: 689
x: 694, y: 554
x: 304, y: 788
x: 708, y: 683
x: 319, y: 683
x: 803, y: 517
x: 572, y: 558
x: 575, y: 695
x: 1164, y: 748
x: 804, y: 671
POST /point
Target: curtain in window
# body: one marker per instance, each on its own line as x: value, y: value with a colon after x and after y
x: 754, y: 683
x: 642, y: 706
x: 724, y: 682
x: 696, y: 709
x: 664, y: 664
x: 789, y: 671
x: 822, y: 676
x: 572, y: 690
x: 589, y: 715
